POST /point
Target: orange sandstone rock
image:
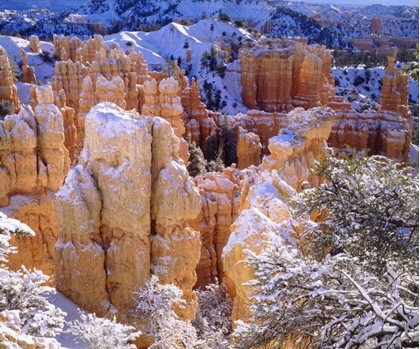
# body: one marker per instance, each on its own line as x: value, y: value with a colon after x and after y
x: 385, y: 132
x: 34, y: 44
x: 123, y: 214
x: 249, y: 149
x: 8, y: 90
x: 280, y: 74
x: 264, y: 211
x: 33, y: 164
x: 28, y: 72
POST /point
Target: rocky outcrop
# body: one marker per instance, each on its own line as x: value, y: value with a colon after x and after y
x: 386, y: 132
x: 265, y: 208
x: 375, y: 25
x: 69, y: 76
x: 33, y: 164
x: 123, y: 212
x: 222, y: 195
x: 263, y: 124
x: 277, y: 75
x: 34, y: 44
x: 249, y: 149
x: 294, y: 151
x: 8, y: 90
x: 199, y: 125
x: 28, y: 72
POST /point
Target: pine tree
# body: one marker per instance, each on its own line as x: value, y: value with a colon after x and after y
x: 197, y: 162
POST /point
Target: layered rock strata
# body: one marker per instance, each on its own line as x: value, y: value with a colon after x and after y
x: 123, y: 212
x: 222, y: 195
x: 33, y: 164
x: 280, y: 74
x: 386, y: 132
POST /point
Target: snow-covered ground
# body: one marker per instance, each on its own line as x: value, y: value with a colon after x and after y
x: 367, y: 84
x: 60, y: 301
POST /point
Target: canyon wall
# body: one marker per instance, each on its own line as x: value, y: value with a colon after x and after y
x: 277, y: 75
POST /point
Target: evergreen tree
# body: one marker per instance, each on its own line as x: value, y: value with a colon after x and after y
x: 197, y: 162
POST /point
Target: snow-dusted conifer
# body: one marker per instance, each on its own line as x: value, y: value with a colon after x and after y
x: 102, y: 333
x: 332, y: 304
x: 213, y: 318
x: 155, y: 303
x: 22, y: 292
x: 364, y: 293
x: 372, y: 204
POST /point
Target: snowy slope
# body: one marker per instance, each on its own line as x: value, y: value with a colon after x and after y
x: 53, y: 5
x: 322, y: 23
x: 169, y: 42
x: 43, y: 69
x: 359, y: 85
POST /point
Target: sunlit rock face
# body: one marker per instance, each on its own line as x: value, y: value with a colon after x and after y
x: 278, y: 75
x: 265, y: 207
x: 8, y: 90
x: 123, y: 212
x: 386, y: 131
x: 33, y: 164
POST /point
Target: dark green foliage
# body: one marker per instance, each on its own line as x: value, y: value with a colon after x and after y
x: 239, y: 23
x: 372, y: 206
x: 212, y: 96
x: 6, y: 108
x: 415, y: 135
x: 224, y: 17
x: 413, y: 69
x: 46, y: 56
x: 348, y: 57
x: 221, y: 146
x: 197, y: 162
x: 209, y: 60
x: 358, y: 80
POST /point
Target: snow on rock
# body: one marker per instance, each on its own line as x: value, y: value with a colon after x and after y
x: 122, y: 213
x: 33, y: 164
x: 295, y: 149
x: 384, y: 131
x: 265, y: 208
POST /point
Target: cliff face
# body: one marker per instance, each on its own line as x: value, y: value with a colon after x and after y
x: 33, y: 164
x: 265, y: 206
x: 123, y: 213
x: 386, y: 132
x: 285, y: 75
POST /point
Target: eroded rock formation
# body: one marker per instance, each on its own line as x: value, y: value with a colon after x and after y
x: 222, y: 196
x: 281, y: 74
x: 8, y: 90
x: 34, y: 44
x: 386, y: 132
x: 123, y: 214
x: 33, y: 164
x: 28, y: 72
x: 265, y: 208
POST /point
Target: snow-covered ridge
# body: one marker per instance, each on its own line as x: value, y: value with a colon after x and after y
x: 321, y: 23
